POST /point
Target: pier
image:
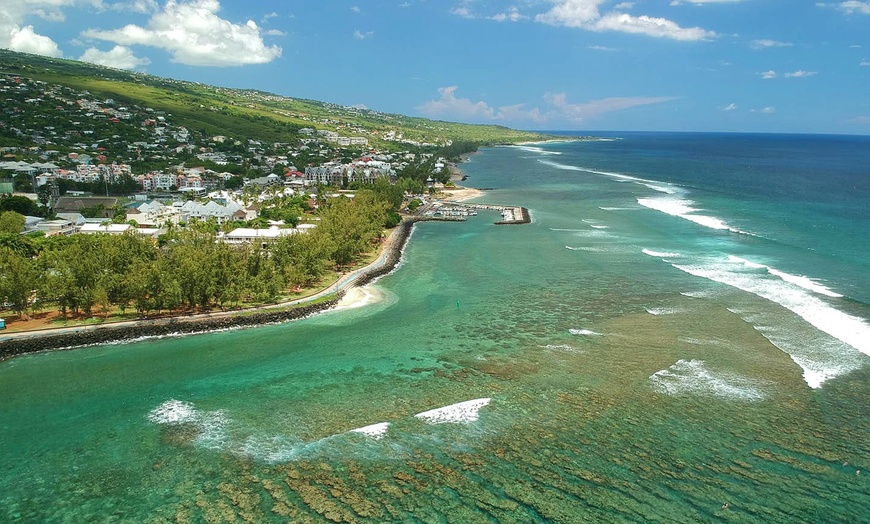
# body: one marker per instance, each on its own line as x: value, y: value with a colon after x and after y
x: 510, y: 214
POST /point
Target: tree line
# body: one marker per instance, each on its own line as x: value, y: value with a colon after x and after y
x: 186, y: 268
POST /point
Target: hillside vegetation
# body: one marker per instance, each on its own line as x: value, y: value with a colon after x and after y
x: 250, y: 114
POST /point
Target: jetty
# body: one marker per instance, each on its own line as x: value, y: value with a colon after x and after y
x: 510, y: 214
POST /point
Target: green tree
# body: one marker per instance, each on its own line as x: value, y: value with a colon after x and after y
x: 19, y: 204
x: 19, y: 279
x: 352, y: 225
x: 11, y: 222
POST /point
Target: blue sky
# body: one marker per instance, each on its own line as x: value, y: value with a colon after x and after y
x: 686, y: 65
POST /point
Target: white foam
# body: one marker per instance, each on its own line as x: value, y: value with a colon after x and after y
x: 611, y: 208
x: 561, y: 347
x: 212, y: 433
x: 611, y: 249
x: 798, y: 280
x: 682, y: 208
x: 698, y: 294
x: 534, y: 149
x: 657, y: 311
x: 618, y: 176
x: 693, y: 377
x: 173, y: 412
x: 597, y: 226
x: 671, y: 190
x: 375, y: 431
x: 467, y: 411
x: 571, y: 230
x: 584, y: 333
x: 842, y: 326
x: 818, y: 362
x: 210, y: 424
x: 659, y: 254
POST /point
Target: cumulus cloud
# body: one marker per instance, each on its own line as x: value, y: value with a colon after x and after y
x: 18, y: 36
x: 25, y: 40
x: 194, y: 34
x: 765, y: 44
x: 558, y: 108
x: 359, y: 35
x: 767, y: 75
x: 119, y: 57
x: 730, y: 107
x: 450, y: 106
x: 584, y: 14
x: 800, y: 73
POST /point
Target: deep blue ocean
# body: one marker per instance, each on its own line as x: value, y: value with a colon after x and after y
x: 782, y: 217
x: 680, y: 335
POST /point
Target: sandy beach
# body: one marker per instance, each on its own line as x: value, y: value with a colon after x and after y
x: 460, y: 194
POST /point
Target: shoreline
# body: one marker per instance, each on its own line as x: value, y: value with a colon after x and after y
x: 62, y: 338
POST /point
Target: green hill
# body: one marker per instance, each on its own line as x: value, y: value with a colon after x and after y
x: 249, y: 114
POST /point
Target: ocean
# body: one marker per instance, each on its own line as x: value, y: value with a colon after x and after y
x: 682, y: 334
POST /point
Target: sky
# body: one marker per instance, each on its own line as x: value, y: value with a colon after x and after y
x: 794, y: 66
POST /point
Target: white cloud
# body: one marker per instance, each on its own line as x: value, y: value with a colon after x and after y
x: 584, y: 14
x: 26, y: 40
x: 854, y: 6
x: 119, y: 57
x: 511, y: 15
x: 137, y: 6
x: 701, y: 2
x: 601, y: 48
x: 359, y: 35
x: 730, y: 107
x: 769, y: 110
x: 558, y: 108
x: 624, y: 6
x: 17, y: 36
x: 765, y: 43
x: 274, y: 32
x: 800, y: 73
x: 193, y: 33
x: 464, y: 12
x: 450, y: 106
x: 864, y: 62
x: 355, y: 9
x: 650, y: 26
x: 593, y: 108
x: 767, y: 75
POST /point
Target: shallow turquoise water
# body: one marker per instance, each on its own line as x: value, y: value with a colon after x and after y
x: 622, y: 388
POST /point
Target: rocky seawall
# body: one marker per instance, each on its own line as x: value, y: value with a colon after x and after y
x: 93, y: 335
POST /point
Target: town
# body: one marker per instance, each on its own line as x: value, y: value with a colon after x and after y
x: 99, y: 161
x: 124, y: 194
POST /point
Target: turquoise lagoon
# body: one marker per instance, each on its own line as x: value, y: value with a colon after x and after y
x: 684, y: 325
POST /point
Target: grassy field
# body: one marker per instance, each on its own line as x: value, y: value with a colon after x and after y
x: 248, y: 114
